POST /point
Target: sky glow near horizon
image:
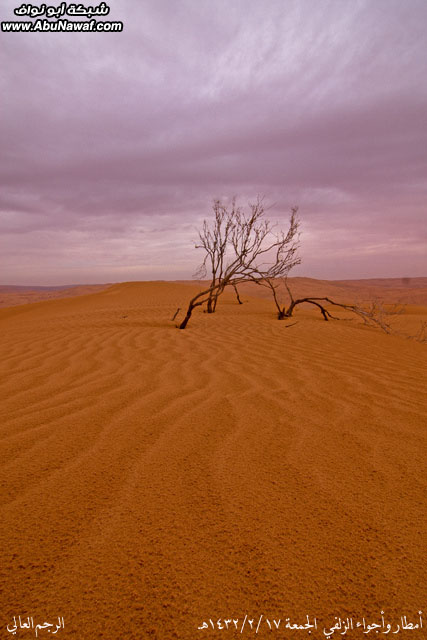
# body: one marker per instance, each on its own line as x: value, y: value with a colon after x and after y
x: 115, y: 144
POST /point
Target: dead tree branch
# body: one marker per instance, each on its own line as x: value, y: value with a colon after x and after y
x: 236, y: 291
x: 244, y: 248
x: 373, y: 315
x: 175, y: 314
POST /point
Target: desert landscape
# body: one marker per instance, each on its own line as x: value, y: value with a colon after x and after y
x: 213, y: 320
x: 158, y: 482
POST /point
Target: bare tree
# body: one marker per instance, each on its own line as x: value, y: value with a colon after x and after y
x: 373, y: 314
x: 244, y: 248
x: 214, y: 239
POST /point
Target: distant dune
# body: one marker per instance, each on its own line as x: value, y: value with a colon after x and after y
x: 153, y: 479
x: 404, y: 290
x: 389, y: 290
x: 11, y: 295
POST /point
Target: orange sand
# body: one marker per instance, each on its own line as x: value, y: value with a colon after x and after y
x: 153, y: 478
x: 11, y: 296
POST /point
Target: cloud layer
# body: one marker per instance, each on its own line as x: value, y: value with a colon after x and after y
x: 116, y: 144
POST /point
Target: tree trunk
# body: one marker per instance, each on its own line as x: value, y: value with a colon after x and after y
x: 187, y: 317
x: 215, y: 298
x: 210, y: 306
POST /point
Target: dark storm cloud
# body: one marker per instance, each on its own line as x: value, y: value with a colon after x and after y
x: 119, y: 142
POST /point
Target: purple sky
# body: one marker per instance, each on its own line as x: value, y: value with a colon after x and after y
x: 114, y: 145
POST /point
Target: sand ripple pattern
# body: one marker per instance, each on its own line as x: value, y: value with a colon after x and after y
x: 153, y: 478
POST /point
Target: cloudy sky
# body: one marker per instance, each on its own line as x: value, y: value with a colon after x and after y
x: 115, y: 144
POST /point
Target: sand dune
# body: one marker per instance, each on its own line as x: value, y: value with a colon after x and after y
x: 12, y: 295
x: 391, y: 290
x: 153, y: 478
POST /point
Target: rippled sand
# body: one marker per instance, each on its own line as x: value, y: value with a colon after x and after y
x: 152, y: 478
